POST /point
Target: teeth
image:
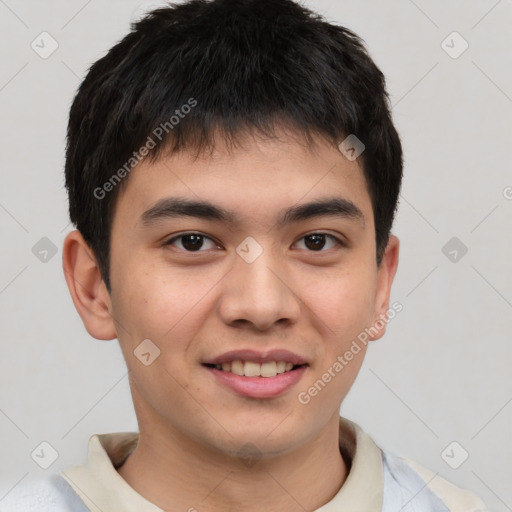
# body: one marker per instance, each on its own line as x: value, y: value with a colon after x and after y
x: 237, y: 367
x: 280, y: 367
x: 268, y: 369
x: 251, y: 369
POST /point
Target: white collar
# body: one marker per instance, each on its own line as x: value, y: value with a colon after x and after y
x: 102, y: 489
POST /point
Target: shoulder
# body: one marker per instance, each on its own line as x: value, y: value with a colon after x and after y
x: 48, y: 494
x: 414, y: 487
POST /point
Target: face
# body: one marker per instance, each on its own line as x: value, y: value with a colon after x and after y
x: 253, y: 284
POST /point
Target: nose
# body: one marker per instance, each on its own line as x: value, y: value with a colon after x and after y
x: 258, y: 294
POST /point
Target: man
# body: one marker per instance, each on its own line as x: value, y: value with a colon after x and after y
x: 233, y: 174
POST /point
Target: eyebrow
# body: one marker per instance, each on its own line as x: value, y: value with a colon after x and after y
x: 175, y: 207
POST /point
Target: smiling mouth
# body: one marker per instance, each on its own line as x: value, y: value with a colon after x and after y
x: 252, y: 369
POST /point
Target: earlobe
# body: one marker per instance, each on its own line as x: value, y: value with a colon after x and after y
x: 87, y: 288
x: 386, y: 273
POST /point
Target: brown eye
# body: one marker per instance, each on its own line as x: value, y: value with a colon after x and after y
x: 318, y: 241
x: 190, y: 242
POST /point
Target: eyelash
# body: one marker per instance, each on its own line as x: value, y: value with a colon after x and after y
x: 337, y: 241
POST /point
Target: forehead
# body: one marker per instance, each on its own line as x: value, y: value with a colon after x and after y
x: 249, y: 183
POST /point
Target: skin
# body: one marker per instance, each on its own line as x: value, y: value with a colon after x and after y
x: 197, y: 305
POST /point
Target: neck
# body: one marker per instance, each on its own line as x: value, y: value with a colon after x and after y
x: 174, y: 472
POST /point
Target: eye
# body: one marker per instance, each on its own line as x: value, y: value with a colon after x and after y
x: 195, y: 242
x: 190, y: 242
x: 317, y: 241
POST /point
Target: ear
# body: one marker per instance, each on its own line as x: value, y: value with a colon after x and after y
x: 385, y: 276
x: 87, y: 288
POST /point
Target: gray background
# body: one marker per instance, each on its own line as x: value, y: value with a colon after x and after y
x: 441, y: 373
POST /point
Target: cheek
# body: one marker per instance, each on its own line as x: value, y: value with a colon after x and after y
x: 343, y: 300
x: 158, y: 304
x: 344, y: 304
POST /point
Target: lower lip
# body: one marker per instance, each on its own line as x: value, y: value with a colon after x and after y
x: 259, y: 387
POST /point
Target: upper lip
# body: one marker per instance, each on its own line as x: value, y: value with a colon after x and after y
x: 258, y: 357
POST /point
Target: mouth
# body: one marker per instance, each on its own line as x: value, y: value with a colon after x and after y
x: 254, y: 374
x: 253, y: 369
